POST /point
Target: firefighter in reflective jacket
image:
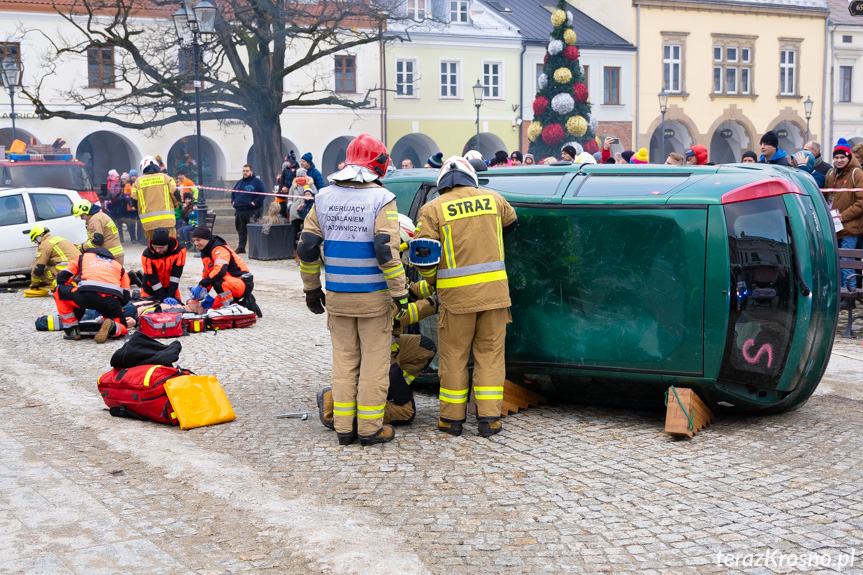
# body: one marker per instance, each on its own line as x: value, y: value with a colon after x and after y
x: 224, y: 271
x: 101, y: 229
x: 458, y: 248
x: 163, y: 261
x: 102, y: 285
x: 155, y: 196
x: 52, y: 256
x: 356, y: 220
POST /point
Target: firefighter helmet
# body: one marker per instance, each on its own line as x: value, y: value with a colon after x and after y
x: 81, y: 207
x: 147, y: 161
x: 406, y: 231
x: 368, y: 152
x: 457, y: 163
x: 473, y: 155
x: 38, y: 231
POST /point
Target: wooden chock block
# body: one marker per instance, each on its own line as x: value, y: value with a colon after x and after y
x: 515, y: 398
x: 677, y: 422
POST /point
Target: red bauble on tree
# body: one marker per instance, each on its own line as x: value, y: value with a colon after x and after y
x: 580, y: 93
x: 552, y: 134
x: 591, y: 147
x: 570, y: 53
x: 539, y: 105
x: 545, y: 60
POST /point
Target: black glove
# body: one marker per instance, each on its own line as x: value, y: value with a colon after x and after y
x: 401, y: 306
x: 316, y: 300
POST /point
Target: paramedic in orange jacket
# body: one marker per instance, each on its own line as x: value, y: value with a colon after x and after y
x: 224, y: 271
x: 163, y: 261
x: 102, y: 285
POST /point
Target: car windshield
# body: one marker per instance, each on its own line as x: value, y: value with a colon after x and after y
x: 63, y: 176
x: 543, y: 184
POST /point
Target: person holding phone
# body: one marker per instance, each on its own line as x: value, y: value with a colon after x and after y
x: 606, y: 148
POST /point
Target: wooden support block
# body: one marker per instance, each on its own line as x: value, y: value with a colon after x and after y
x: 515, y: 398
x: 676, y: 421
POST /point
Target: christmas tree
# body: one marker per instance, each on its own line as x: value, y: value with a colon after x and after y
x: 561, y: 112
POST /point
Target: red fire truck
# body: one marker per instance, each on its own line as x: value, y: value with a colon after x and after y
x: 51, y: 169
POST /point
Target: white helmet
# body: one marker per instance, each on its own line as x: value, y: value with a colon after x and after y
x: 473, y: 155
x: 460, y: 164
x: 146, y: 161
x: 406, y: 229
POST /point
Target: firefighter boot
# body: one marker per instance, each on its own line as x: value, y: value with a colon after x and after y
x: 104, y: 331
x: 489, y: 428
x: 384, y: 435
x: 400, y: 414
x: 72, y: 333
x: 453, y: 428
x: 325, y: 407
x: 347, y: 438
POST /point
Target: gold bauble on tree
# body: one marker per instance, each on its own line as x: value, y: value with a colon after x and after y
x: 534, y: 131
x: 577, y: 126
x: 562, y: 75
x: 558, y: 18
x: 569, y: 37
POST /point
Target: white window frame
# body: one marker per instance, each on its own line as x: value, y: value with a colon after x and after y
x: 733, y: 64
x: 414, y: 82
x: 721, y: 70
x: 417, y: 9
x: 462, y: 12
x: 458, y: 80
x: 487, y: 93
x: 842, y: 84
x: 670, y: 62
x: 788, y: 87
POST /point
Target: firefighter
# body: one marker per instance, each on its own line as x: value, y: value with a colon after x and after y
x: 101, y: 230
x: 163, y: 261
x: 155, y: 196
x: 356, y: 220
x: 53, y: 254
x: 102, y: 285
x: 224, y: 271
x: 458, y: 248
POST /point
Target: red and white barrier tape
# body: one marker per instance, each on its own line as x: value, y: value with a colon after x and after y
x: 241, y: 191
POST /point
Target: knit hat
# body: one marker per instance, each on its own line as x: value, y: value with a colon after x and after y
x: 160, y: 237
x: 500, y: 158
x: 771, y: 139
x: 113, y: 174
x: 626, y: 155
x: 436, y: 160
x: 569, y: 150
x: 307, y: 157
x: 750, y: 154
x: 842, y: 147
x: 528, y: 155
x: 639, y: 157
x: 301, y: 172
x: 124, y: 176
x: 202, y: 232
x: 516, y: 155
x: 133, y: 172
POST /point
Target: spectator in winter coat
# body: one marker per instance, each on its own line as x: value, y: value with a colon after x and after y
x: 189, y: 216
x: 821, y: 166
x: 846, y: 173
x: 248, y: 203
x: 770, y: 152
x: 696, y: 156
x: 749, y: 157
x: 805, y: 160
x: 309, y: 166
x: 303, y: 186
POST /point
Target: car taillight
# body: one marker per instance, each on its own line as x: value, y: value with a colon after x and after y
x: 763, y: 189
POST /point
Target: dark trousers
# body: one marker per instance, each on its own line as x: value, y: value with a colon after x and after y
x: 294, y: 234
x: 241, y: 222
x: 108, y: 306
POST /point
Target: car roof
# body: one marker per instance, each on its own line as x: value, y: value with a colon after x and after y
x: 13, y: 191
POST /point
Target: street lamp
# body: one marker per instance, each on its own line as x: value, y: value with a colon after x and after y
x: 478, y: 91
x: 807, y: 106
x: 663, y: 107
x: 193, y: 22
x: 11, y: 74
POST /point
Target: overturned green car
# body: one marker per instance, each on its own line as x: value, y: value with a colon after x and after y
x: 627, y: 279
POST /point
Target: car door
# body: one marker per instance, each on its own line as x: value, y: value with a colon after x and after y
x: 16, y: 250
x: 53, y: 209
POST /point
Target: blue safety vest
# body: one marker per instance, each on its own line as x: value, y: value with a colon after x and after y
x: 347, y: 220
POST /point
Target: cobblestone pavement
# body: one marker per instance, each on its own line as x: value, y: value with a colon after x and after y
x: 564, y: 488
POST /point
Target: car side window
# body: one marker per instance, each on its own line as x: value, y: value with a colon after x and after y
x: 13, y: 211
x: 424, y: 195
x: 51, y: 206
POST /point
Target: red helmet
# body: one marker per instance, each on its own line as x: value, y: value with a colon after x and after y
x: 368, y: 152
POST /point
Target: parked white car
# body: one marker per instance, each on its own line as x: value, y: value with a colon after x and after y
x: 23, y: 208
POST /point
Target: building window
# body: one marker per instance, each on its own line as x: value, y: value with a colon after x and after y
x: 417, y: 9
x: 346, y: 74
x: 844, y: 83
x: 100, y: 66
x: 846, y: 39
x: 406, y: 78
x: 449, y: 79
x: 732, y: 64
x: 458, y: 11
x: 587, y: 80
x: 611, y: 85
x: 491, y: 79
x: 539, y: 68
x: 10, y: 49
x: 672, y: 62
x: 788, y: 73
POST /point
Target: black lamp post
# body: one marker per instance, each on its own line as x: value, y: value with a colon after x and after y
x: 11, y: 75
x: 663, y: 107
x: 193, y: 22
x: 478, y: 91
x: 807, y: 107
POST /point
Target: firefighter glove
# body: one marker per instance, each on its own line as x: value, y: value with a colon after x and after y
x: 401, y: 306
x: 316, y: 300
